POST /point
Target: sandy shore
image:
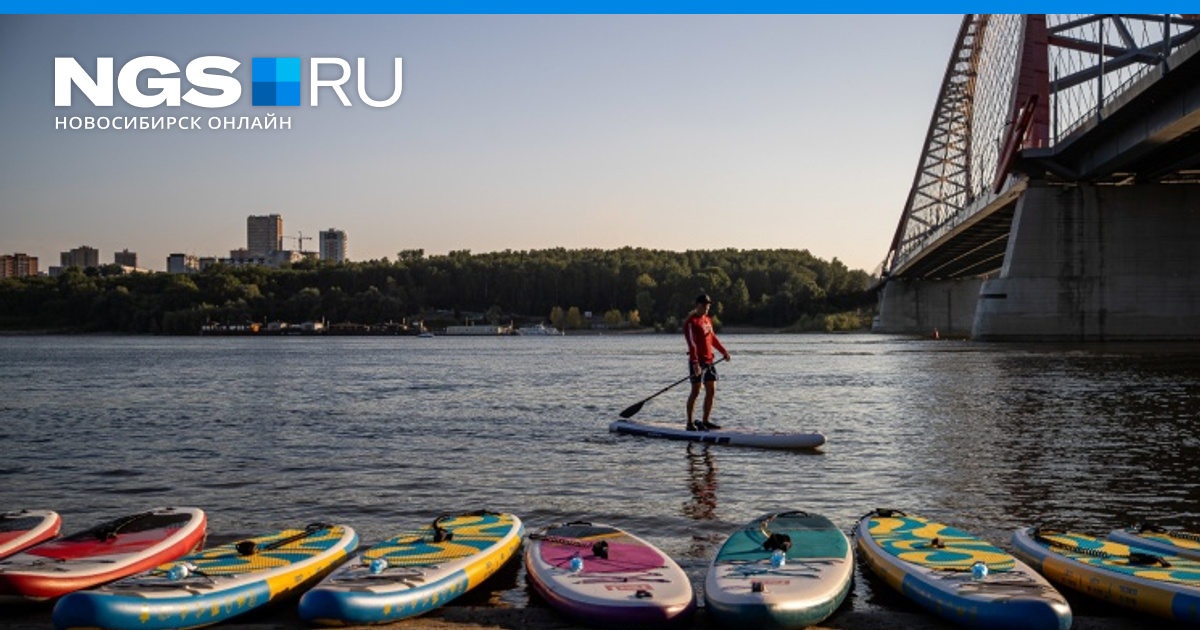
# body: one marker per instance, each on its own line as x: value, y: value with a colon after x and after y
x: 539, y: 618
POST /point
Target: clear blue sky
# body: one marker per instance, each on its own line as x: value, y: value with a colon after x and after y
x: 513, y: 132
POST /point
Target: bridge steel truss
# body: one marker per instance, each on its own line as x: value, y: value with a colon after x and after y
x: 1013, y: 83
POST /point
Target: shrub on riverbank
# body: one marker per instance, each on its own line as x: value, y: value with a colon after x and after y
x: 768, y: 288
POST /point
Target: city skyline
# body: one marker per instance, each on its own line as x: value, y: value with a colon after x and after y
x: 513, y: 132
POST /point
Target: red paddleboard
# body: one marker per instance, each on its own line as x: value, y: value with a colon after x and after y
x: 26, y: 528
x: 121, y: 547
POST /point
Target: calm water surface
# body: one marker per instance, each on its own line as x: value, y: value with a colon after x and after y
x: 386, y: 433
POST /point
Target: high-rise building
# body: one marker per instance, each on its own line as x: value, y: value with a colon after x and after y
x: 82, y: 257
x: 264, y: 233
x: 183, y: 263
x: 333, y: 245
x: 125, y: 258
x: 18, y: 265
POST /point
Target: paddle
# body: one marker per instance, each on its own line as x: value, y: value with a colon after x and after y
x: 636, y: 407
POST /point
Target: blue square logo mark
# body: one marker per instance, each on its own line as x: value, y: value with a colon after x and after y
x: 276, y: 81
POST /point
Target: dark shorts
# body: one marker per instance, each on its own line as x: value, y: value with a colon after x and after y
x: 708, y: 372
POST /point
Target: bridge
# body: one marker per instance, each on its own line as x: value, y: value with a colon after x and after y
x: 1057, y: 194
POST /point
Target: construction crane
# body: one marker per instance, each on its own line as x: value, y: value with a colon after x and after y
x: 299, y: 240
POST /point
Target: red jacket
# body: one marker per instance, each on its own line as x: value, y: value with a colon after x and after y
x: 698, y: 331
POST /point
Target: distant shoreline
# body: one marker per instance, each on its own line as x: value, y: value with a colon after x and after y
x: 583, y: 332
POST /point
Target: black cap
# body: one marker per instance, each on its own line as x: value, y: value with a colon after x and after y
x: 703, y: 299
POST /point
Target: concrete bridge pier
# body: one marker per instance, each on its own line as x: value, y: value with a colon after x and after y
x: 1098, y: 263
x: 918, y: 307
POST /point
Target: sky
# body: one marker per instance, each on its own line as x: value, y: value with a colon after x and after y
x: 512, y: 132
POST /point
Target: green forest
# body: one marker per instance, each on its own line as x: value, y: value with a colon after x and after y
x: 628, y: 287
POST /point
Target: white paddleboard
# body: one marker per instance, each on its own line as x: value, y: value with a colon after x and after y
x: 782, y: 570
x: 730, y: 436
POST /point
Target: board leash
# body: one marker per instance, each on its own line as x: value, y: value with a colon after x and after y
x: 249, y: 547
x: 1154, y: 528
x: 1133, y: 557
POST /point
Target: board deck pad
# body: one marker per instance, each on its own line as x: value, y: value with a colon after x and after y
x: 137, y: 533
x: 810, y: 536
x: 225, y: 559
x: 471, y: 535
x: 622, y: 557
x: 911, y: 538
x: 1115, y: 556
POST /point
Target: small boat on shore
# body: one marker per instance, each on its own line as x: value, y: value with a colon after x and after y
x: 541, y: 330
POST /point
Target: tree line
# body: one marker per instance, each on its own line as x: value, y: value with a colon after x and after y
x: 644, y: 287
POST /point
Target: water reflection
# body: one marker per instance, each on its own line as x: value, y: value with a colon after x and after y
x: 702, y: 483
x: 986, y: 438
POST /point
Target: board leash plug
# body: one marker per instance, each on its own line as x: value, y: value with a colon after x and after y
x: 979, y: 570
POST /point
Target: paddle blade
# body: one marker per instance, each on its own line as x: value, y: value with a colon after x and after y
x: 632, y: 409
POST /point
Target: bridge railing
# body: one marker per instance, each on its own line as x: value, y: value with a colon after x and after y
x: 1094, y: 60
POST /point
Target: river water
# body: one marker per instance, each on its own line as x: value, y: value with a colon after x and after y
x: 386, y: 433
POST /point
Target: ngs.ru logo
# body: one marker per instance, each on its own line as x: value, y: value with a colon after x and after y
x: 276, y: 82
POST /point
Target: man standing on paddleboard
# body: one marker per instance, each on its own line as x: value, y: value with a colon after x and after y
x: 698, y: 331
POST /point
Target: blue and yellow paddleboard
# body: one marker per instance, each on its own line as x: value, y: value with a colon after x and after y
x: 1163, y: 585
x: 1159, y: 540
x: 212, y: 586
x: 935, y: 565
x: 416, y: 572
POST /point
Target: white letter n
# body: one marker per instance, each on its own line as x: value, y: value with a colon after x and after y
x: 68, y: 71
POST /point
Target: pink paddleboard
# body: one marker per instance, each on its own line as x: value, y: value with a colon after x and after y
x: 603, y: 575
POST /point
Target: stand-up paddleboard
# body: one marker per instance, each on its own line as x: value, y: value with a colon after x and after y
x: 1159, y: 540
x: 936, y: 566
x: 415, y: 572
x: 1162, y: 585
x: 732, y: 437
x: 784, y: 570
x: 602, y: 575
x: 102, y: 554
x: 26, y: 528
x: 209, y: 587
